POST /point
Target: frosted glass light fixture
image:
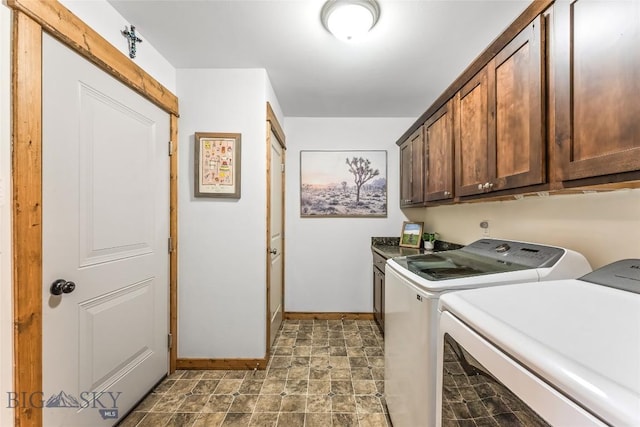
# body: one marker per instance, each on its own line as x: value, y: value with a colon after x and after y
x: 349, y: 19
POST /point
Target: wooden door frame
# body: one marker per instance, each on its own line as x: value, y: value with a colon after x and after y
x: 273, y: 125
x: 30, y: 20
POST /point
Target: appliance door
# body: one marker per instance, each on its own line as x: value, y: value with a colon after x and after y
x: 409, y: 356
x: 459, y: 264
x: 476, y: 381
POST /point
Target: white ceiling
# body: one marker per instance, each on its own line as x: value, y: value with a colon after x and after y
x: 410, y: 57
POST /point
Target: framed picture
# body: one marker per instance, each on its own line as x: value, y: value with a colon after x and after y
x: 411, y: 234
x: 217, y: 165
x: 343, y: 183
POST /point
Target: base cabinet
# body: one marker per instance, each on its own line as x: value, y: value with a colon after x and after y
x: 378, y: 289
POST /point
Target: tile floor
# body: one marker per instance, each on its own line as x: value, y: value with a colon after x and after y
x: 322, y: 373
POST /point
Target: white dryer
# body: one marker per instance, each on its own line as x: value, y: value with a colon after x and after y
x: 560, y: 353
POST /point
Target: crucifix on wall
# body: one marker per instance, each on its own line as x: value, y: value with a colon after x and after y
x: 132, y: 39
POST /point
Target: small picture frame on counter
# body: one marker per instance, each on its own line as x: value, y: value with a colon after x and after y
x: 411, y: 234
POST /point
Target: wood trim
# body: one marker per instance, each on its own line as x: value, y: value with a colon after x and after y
x: 173, y: 233
x: 27, y: 214
x: 30, y: 18
x: 275, y: 124
x: 521, y: 22
x: 299, y: 315
x: 231, y: 364
x: 268, y: 242
x: 68, y: 28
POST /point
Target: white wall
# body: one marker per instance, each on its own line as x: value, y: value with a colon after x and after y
x: 222, y: 252
x: 328, y: 260
x: 604, y: 227
x: 272, y: 99
x: 104, y: 19
x: 6, y: 350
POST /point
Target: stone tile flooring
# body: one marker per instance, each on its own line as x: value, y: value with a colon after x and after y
x: 322, y: 373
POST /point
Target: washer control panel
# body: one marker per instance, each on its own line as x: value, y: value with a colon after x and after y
x: 527, y: 254
x: 624, y: 274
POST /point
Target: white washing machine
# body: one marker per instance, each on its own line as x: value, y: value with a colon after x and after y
x: 560, y: 353
x: 413, y: 286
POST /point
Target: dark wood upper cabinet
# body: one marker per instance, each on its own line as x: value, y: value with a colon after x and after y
x: 439, y: 154
x: 597, y: 87
x: 499, y: 124
x: 405, y: 174
x: 499, y: 121
x: 471, y: 135
x: 516, y: 111
x: 551, y: 104
x: 412, y: 169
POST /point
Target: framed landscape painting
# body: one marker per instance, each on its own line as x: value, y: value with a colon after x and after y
x: 343, y: 183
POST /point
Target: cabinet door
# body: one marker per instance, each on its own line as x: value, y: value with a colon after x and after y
x: 382, y: 295
x: 439, y: 154
x: 471, y: 135
x: 412, y: 169
x: 378, y: 308
x: 597, y: 87
x: 417, y: 166
x: 405, y: 174
x: 516, y: 111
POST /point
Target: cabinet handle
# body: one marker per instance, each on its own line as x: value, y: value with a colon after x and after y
x: 447, y: 194
x: 487, y: 185
x: 480, y: 187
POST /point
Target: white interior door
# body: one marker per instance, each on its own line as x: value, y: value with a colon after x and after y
x: 105, y: 228
x: 276, y: 274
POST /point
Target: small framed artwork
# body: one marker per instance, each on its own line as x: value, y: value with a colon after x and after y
x: 217, y: 165
x: 411, y: 234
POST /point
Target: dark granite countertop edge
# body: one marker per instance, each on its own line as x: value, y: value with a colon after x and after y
x: 389, y: 247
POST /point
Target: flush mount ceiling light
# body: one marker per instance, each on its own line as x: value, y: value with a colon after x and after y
x: 349, y: 19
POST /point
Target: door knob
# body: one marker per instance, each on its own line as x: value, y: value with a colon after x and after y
x: 273, y: 251
x: 61, y: 286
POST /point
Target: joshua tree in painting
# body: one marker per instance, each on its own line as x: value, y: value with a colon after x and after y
x: 362, y: 172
